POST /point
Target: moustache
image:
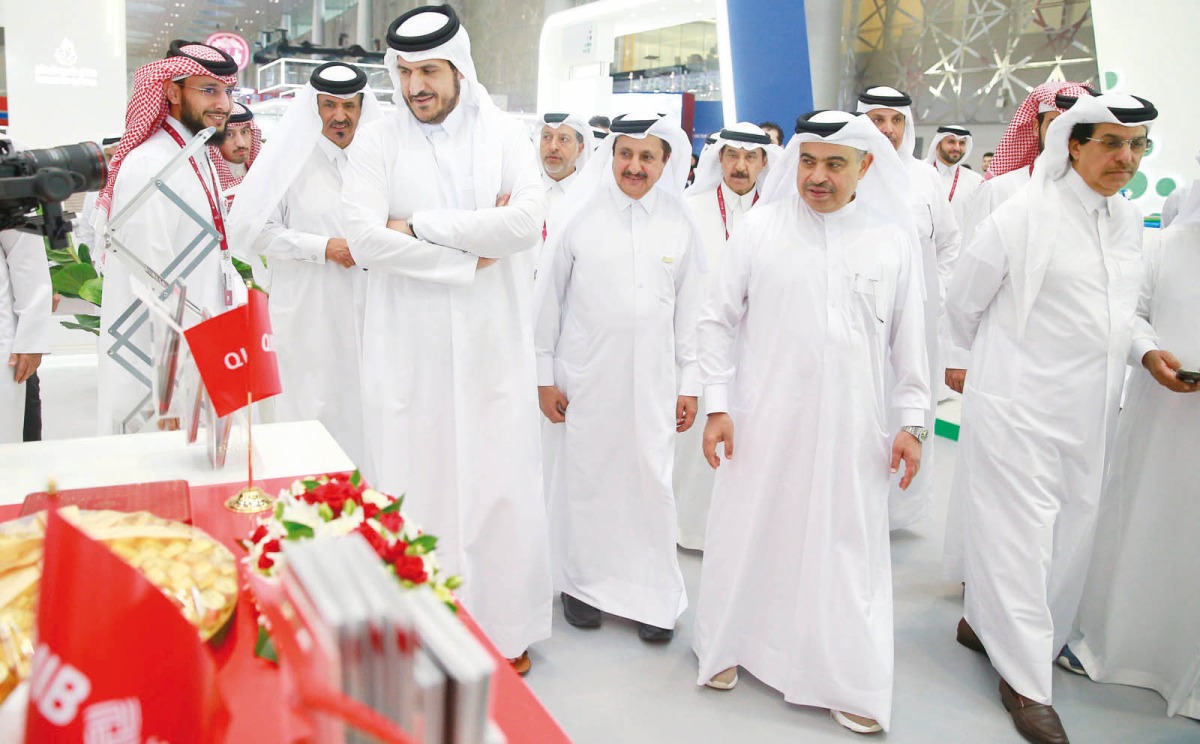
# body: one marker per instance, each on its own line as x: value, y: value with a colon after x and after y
x: 740, y: 174
x: 631, y: 174
x: 823, y: 185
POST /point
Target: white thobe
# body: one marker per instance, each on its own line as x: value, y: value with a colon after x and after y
x: 616, y: 315
x: 1038, y: 414
x: 1140, y: 614
x: 960, y: 185
x: 316, y: 307
x: 555, y: 192
x: 25, y: 323
x: 797, y: 336
x: 938, y: 231
x: 1172, y: 204
x: 449, y: 386
x: 693, y: 475
x: 987, y: 198
x: 157, y: 232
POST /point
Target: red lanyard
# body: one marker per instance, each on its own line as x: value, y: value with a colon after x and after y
x: 953, y: 186
x: 721, y: 204
x: 212, y: 203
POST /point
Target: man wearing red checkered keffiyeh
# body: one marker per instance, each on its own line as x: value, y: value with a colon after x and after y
x: 173, y: 99
x: 243, y: 141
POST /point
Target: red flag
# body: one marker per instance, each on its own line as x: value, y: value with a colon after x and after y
x: 235, y: 356
x: 115, y: 660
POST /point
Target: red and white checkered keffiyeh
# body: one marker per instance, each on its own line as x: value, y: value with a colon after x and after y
x: 148, y: 107
x: 224, y: 172
x: 1018, y: 147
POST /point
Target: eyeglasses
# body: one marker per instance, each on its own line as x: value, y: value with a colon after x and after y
x: 211, y: 90
x: 1137, y: 145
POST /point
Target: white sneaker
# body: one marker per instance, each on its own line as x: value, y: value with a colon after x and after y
x: 857, y: 724
x: 722, y: 681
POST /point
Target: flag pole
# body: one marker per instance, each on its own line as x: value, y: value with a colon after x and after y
x: 251, y: 499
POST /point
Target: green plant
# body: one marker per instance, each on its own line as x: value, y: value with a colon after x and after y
x: 73, y: 275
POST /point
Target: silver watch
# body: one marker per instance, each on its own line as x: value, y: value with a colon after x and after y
x: 920, y: 432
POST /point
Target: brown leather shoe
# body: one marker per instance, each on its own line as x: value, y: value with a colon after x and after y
x: 966, y: 636
x: 521, y: 665
x: 1036, y: 722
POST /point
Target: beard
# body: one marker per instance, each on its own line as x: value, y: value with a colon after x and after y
x: 439, y: 116
x: 193, y: 120
x: 951, y: 158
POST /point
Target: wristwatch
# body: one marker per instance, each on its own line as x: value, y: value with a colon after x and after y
x: 920, y: 432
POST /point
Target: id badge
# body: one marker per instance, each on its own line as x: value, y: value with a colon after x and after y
x: 229, y: 277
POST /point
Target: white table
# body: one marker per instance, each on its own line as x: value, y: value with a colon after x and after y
x: 280, y: 450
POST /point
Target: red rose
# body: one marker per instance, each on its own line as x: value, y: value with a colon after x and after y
x: 259, y: 533
x: 369, y: 510
x: 392, y: 520
x: 411, y: 568
x: 374, y: 539
x: 265, y: 561
x: 395, y: 551
x: 271, y: 546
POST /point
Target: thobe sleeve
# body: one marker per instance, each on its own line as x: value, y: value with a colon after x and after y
x: 719, y: 321
x: 689, y: 296
x: 946, y: 237
x: 495, y: 232
x: 373, y: 244
x: 910, y: 362
x: 277, y: 240
x: 550, y: 291
x: 978, y: 275
x: 1145, y: 338
x: 32, y: 294
x: 979, y: 206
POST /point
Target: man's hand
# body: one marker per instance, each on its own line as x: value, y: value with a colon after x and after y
x: 24, y: 365
x: 54, y: 302
x: 551, y: 400
x: 483, y: 263
x: 956, y: 379
x: 907, y: 448
x: 338, y: 251
x: 502, y: 200
x: 1162, y: 366
x: 401, y: 226
x: 718, y: 428
x: 685, y: 412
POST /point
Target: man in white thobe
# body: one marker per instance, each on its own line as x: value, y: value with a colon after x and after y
x: 1045, y: 296
x: 238, y: 153
x: 891, y: 111
x: 1139, y: 620
x: 1020, y: 145
x: 564, y: 145
x: 173, y: 99
x: 819, y: 295
x: 449, y: 386
x: 727, y: 185
x: 289, y: 210
x: 616, y: 315
x: 948, y: 153
x: 25, y: 323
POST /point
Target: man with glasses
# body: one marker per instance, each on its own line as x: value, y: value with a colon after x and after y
x: 173, y: 99
x: 1045, y: 296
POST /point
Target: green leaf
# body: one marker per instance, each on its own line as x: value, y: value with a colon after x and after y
x: 60, y: 257
x: 85, y: 253
x: 68, y: 281
x: 326, y: 512
x: 355, y: 478
x: 392, y: 507
x: 264, y: 647
x: 424, y: 544
x: 311, y: 485
x: 297, y: 531
x: 92, y: 290
x: 88, y: 321
x: 79, y: 327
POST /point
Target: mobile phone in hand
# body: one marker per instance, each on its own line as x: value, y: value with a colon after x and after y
x: 1187, y: 375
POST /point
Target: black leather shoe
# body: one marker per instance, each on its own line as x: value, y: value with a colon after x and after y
x: 655, y: 634
x: 966, y: 636
x: 1036, y: 722
x: 580, y: 613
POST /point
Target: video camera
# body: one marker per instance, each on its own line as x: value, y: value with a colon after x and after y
x: 45, y: 178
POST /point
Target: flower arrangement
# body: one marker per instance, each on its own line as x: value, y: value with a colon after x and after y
x: 338, y: 504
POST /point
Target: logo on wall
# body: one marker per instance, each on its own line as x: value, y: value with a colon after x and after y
x: 64, y: 70
x: 233, y: 45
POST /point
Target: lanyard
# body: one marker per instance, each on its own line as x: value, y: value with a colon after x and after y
x: 721, y: 204
x: 212, y: 203
x: 953, y: 186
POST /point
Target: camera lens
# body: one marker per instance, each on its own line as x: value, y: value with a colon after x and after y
x: 85, y: 161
